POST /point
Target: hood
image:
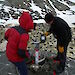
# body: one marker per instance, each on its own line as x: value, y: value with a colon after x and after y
x: 26, y: 21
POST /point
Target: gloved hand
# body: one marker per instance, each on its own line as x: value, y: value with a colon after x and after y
x: 61, y: 49
x: 46, y: 33
x: 30, y: 58
x: 27, y: 54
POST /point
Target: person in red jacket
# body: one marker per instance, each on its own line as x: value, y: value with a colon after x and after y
x: 17, y: 37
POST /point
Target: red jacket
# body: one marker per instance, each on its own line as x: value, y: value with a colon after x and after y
x: 18, y: 37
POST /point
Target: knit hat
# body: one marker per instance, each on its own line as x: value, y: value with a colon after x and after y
x: 48, y: 17
x: 26, y: 21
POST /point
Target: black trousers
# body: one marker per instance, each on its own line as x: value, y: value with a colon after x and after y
x: 62, y: 56
x: 22, y: 67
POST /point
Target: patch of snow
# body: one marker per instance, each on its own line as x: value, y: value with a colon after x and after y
x: 57, y: 11
x: 1, y: 5
x: 64, y: 2
x: 35, y: 8
x: 16, y: 12
x: 47, y: 6
x: 68, y: 18
x: 2, y: 0
x: 14, y: 9
x: 72, y: 1
x: 72, y: 8
x: 67, y: 12
x: 2, y: 22
x: 24, y: 2
x: 12, y: 22
x: 39, y: 21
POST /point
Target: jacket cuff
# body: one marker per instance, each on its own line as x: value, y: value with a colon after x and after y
x: 6, y: 38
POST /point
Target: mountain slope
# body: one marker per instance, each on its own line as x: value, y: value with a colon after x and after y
x: 12, y: 9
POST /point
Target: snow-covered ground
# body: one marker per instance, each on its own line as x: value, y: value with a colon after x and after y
x: 72, y: 1
x: 2, y: 0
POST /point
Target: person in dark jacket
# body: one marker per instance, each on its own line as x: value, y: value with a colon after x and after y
x: 17, y: 37
x: 62, y: 32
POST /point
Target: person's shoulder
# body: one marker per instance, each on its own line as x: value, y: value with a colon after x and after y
x: 58, y: 18
x: 25, y: 36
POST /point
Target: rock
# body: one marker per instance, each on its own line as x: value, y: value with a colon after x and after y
x: 3, y: 46
x: 71, y: 47
x: 71, y: 52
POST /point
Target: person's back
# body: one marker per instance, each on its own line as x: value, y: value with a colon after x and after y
x: 61, y: 29
x: 13, y: 43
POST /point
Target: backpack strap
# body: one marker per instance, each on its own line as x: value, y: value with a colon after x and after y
x: 20, y: 29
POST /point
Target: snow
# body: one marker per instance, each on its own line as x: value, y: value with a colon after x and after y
x: 72, y: 8
x: 67, y: 12
x: 2, y: 22
x: 68, y: 18
x: 69, y: 0
x: 39, y: 21
x: 63, y: 2
x: 72, y: 1
x: 35, y: 8
x: 47, y: 7
x: 12, y: 21
x: 66, y: 15
x: 6, y: 8
x: 2, y: 0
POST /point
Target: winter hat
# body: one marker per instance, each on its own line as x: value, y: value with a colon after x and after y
x: 26, y: 21
x: 48, y: 17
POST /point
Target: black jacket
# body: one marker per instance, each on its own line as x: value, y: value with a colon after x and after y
x: 61, y: 31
